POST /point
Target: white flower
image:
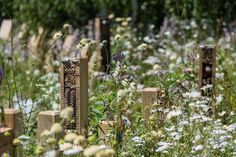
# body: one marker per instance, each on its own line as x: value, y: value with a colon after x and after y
x: 51, y: 153
x: 151, y: 60
x: 163, y: 147
x: 193, y: 94
x: 75, y: 150
x: 222, y: 113
x: 174, y: 113
x: 197, y: 148
x: 220, y: 76
x: 92, y: 150
x: 208, y: 86
x: 219, y: 99
x: 36, y: 72
x: 218, y: 132
x: 138, y: 141
x: 57, y: 35
x: 231, y: 127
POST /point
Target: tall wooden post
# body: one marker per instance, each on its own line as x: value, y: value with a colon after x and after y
x: 74, y: 90
x: 102, y: 33
x: 207, y: 69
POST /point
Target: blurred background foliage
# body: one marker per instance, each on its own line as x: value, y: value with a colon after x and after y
x: 52, y: 14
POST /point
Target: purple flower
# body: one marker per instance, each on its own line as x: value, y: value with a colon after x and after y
x: 118, y: 57
x: 1, y: 75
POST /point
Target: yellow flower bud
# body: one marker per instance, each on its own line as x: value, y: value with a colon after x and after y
x: 16, y: 141
x: 40, y: 150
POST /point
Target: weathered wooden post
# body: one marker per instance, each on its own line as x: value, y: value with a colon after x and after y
x: 5, y: 29
x: 74, y: 90
x: 104, y: 128
x: 6, y: 144
x: 14, y: 123
x: 14, y: 120
x: 102, y: 34
x: 46, y: 119
x: 151, y: 96
x: 207, y: 69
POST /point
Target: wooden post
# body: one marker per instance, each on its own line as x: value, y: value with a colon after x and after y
x: 102, y: 33
x: 149, y: 97
x: 6, y: 142
x: 207, y: 69
x: 156, y: 100
x: 14, y: 120
x: 46, y: 119
x: 74, y: 90
x: 104, y: 128
x: 5, y: 29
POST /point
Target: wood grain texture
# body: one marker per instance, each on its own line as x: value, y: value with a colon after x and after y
x: 45, y: 120
x: 149, y: 97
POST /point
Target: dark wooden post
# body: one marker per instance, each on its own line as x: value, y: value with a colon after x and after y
x: 207, y: 74
x: 74, y: 90
x: 6, y: 144
x: 207, y: 69
x: 102, y: 35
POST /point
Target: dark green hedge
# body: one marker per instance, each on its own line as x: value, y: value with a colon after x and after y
x: 52, y: 14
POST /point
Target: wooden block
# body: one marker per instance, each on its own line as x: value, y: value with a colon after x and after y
x: 14, y: 120
x: 104, y: 128
x: 207, y: 69
x: 5, y: 30
x: 74, y: 90
x: 149, y: 97
x: 6, y: 142
x: 46, y: 119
